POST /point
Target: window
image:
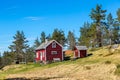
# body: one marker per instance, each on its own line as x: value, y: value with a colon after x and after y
x: 53, y: 52
x: 53, y: 45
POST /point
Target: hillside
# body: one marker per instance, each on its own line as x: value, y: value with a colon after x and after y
x: 100, y: 65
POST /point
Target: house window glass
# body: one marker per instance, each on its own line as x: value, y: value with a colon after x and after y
x: 53, y: 45
x: 54, y: 52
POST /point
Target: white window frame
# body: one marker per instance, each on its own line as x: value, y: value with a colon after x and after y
x: 54, y: 52
x: 54, y: 45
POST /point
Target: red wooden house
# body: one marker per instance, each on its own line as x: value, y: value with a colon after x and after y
x: 49, y: 51
x: 80, y: 51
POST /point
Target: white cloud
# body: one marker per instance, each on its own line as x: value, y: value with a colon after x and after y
x: 33, y: 18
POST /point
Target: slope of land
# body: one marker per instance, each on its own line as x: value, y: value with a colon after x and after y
x: 102, y: 64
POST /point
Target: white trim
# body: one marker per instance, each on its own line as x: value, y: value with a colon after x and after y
x: 79, y: 53
x: 58, y: 43
x: 53, y: 41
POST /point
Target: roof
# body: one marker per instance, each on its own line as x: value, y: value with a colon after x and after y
x: 45, y: 44
x: 81, y: 47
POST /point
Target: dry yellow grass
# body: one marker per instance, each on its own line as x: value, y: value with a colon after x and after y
x: 73, y: 72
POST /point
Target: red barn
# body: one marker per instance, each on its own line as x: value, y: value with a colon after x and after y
x: 80, y: 51
x: 49, y: 51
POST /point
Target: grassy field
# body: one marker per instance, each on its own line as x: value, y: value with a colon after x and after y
x: 100, y: 65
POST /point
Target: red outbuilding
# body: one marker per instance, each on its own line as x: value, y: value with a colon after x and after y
x: 49, y: 51
x: 80, y: 51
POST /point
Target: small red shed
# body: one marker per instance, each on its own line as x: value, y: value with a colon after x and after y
x: 80, y: 51
x: 49, y: 51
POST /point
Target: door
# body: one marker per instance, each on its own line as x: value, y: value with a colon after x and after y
x: 82, y: 53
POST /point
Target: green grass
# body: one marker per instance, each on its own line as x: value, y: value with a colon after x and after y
x: 21, y: 68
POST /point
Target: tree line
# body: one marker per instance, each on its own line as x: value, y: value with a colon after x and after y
x: 103, y: 30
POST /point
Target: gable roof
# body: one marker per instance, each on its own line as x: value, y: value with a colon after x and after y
x: 45, y: 44
x: 81, y: 47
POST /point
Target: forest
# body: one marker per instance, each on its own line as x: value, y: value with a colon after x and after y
x: 102, y: 31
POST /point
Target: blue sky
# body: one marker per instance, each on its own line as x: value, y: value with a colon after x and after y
x: 35, y: 16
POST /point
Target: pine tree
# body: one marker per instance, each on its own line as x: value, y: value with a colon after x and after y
x: 84, y: 35
x: 118, y: 15
x: 97, y: 15
x: 36, y: 43
x: 7, y: 58
x: 19, y: 45
x: 117, y: 27
x: 92, y: 35
x: 43, y: 37
x: 49, y: 37
x: 71, y: 40
x: 109, y: 28
x: 59, y: 36
x: 1, y: 62
x: 30, y: 54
